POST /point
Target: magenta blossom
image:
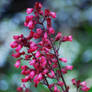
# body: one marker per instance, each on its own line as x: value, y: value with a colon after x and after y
x: 42, y: 55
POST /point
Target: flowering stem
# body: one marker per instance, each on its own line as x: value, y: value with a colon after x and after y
x: 58, y: 64
x: 48, y: 84
x: 57, y: 59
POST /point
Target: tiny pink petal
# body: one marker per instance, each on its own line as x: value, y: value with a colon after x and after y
x: 17, y: 64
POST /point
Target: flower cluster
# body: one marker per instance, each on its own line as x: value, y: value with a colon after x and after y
x: 80, y: 85
x: 42, y: 55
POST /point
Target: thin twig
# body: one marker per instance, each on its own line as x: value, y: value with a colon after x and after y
x: 58, y: 64
x: 47, y: 84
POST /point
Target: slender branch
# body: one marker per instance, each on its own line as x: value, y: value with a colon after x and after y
x: 48, y: 84
x: 58, y: 64
x: 55, y: 74
x: 57, y: 59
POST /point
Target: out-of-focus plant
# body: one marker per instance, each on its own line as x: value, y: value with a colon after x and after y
x: 42, y: 56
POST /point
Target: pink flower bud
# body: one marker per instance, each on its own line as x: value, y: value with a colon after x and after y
x: 39, y: 77
x: 32, y: 74
x: 51, y: 85
x: 53, y: 14
x: 17, y: 64
x: 30, y: 35
x: 69, y: 67
x: 39, y: 31
x: 67, y: 38
x: 47, y: 12
x: 32, y: 62
x: 16, y: 55
x: 29, y: 10
x: 24, y: 67
x: 38, y: 5
x: 58, y: 36
x: 45, y: 71
x: 14, y: 44
x: 37, y: 55
x: 86, y: 89
x: 45, y: 35
x: 52, y: 73
x: 36, y: 36
x: 63, y: 70
x: 83, y: 83
x: 18, y: 48
x: 19, y: 89
x: 30, y: 25
x: 48, y: 22
x: 26, y: 79
x: 15, y: 37
x: 27, y: 90
x: 54, y: 60
x: 60, y: 83
x: 55, y: 89
x: 63, y: 60
x: 74, y: 81
x: 51, y: 30
x: 43, y: 61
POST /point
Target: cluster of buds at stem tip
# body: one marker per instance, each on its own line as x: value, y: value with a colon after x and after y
x: 42, y: 56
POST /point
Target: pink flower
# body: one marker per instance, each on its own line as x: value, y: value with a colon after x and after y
x: 69, y: 67
x: 51, y: 30
x: 63, y: 70
x: 43, y: 61
x: 30, y: 35
x: 55, y: 88
x: 47, y: 12
x: 17, y: 64
x: 45, y: 71
x: 39, y: 31
x: 14, y: 44
x: 32, y: 62
x: 83, y: 83
x: 63, y: 60
x: 60, y: 83
x: 53, y: 14
x: 16, y: 37
x: 29, y: 10
x: 45, y: 35
x: 58, y: 36
x: 37, y: 79
x: 67, y: 38
x: 19, y: 89
x: 85, y: 88
x: 37, y: 55
x: 26, y: 79
x: 32, y: 74
x: 27, y: 90
x: 18, y: 48
x: 30, y: 25
x: 51, y: 85
x: 48, y: 22
x: 16, y: 55
x: 73, y: 81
